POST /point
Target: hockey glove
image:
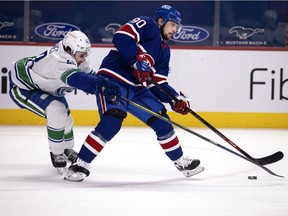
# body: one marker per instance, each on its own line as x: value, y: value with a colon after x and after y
x: 142, y: 68
x: 182, y: 105
x: 110, y: 90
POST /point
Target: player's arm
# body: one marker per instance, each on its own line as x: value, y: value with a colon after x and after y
x: 91, y: 84
x: 129, y: 35
x: 161, y: 95
x: 180, y: 106
x: 81, y: 80
x: 126, y: 40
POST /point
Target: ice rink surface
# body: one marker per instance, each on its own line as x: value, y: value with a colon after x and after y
x: 132, y: 176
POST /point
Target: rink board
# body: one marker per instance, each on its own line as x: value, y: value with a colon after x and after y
x: 217, y: 119
x: 245, y: 88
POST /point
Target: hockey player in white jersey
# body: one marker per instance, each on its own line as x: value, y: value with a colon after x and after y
x: 39, y: 84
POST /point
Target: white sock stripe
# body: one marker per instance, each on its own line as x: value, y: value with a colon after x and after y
x: 167, y: 140
x: 172, y: 148
x: 90, y: 148
x: 55, y: 129
x: 97, y: 139
x: 55, y: 140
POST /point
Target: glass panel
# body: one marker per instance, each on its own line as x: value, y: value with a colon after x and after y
x: 205, y: 23
x: 99, y: 20
x: 11, y: 21
x: 253, y: 23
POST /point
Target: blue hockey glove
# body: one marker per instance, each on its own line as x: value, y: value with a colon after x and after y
x: 142, y: 68
x: 110, y: 90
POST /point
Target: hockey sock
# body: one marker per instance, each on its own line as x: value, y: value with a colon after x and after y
x: 171, y: 146
x: 107, y: 128
x: 56, y: 114
x: 68, y: 133
x: 92, y: 146
x: 167, y: 138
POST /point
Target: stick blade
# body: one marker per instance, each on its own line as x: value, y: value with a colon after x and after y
x: 271, y: 158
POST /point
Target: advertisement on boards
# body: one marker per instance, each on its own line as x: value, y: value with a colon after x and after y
x: 213, y: 80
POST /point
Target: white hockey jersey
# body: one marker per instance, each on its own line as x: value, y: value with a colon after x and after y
x: 44, y: 72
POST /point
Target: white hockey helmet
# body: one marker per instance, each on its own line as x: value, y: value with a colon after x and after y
x: 77, y: 41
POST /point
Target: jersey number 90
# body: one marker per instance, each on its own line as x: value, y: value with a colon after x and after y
x: 139, y: 22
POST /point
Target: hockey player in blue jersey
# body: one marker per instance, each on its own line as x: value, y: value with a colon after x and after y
x: 39, y: 84
x: 140, y: 52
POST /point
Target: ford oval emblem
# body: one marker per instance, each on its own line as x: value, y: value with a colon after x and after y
x: 54, y: 31
x: 190, y: 34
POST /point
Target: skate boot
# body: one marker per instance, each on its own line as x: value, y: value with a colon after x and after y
x: 58, y: 160
x: 188, y: 167
x: 71, y: 155
x: 78, y: 171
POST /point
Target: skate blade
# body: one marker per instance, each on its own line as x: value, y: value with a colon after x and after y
x: 189, y: 173
x: 74, y: 176
x: 60, y: 171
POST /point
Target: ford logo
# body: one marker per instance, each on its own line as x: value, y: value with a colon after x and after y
x: 54, y: 31
x: 190, y: 34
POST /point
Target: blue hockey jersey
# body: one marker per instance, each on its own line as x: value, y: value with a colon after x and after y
x: 141, y: 35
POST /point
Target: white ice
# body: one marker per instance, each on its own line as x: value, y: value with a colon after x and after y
x: 132, y: 176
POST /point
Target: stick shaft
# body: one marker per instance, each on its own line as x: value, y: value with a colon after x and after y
x: 266, y: 160
x: 198, y: 135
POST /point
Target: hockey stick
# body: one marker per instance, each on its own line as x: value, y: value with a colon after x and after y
x: 199, y: 135
x: 263, y: 161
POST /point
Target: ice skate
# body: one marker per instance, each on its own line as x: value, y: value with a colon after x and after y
x: 59, y: 162
x: 78, y: 171
x: 71, y: 155
x: 189, y: 167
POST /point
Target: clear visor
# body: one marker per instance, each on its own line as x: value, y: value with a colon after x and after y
x: 178, y: 28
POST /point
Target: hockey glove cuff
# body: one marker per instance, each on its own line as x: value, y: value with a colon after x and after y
x: 142, y: 68
x: 110, y: 90
x: 182, y: 105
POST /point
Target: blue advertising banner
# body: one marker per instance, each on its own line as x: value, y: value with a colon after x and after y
x: 205, y: 23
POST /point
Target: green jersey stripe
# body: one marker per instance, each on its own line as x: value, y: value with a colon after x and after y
x: 23, y: 73
x: 27, y: 103
x: 68, y: 73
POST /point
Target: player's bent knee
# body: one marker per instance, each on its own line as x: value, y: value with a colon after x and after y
x: 162, y: 112
x: 161, y: 127
x: 117, y: 113
x: 110, y: 124
x: 56, y: 114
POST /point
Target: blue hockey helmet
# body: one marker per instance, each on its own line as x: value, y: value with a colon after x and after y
x: 168, y: 13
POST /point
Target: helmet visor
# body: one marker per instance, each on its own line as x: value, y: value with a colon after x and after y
x: 178, y: 28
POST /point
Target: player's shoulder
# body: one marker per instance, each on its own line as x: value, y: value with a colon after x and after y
x: 141, y: 20
x: 61, y: 62
x: 146, y: 18
x: 59, y: 55
x: 145, y: 25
